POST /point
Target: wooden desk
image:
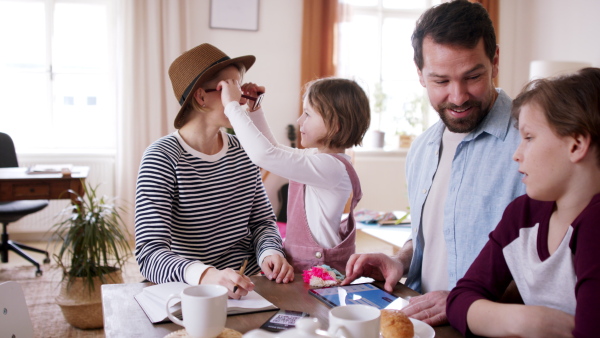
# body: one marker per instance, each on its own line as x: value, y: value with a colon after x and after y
x: 16, y: 184
x: 123, y: 317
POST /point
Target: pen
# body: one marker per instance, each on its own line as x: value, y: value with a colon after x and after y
x: 241, y: 273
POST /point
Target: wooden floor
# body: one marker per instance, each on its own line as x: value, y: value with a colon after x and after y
x: 15, y: 260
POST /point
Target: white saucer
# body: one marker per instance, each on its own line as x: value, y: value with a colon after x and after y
x: 422, y: 329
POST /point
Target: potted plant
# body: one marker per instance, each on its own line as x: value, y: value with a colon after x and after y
x: 94, y: 248
x: 379, y: 98
x: 414, y: 110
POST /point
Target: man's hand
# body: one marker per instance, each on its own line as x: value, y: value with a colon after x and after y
x: 429, y: 308
x: 375, y: 265
x: 229, y: 278
x: 276, y: 267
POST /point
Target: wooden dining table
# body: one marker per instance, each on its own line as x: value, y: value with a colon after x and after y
x: 123, y: 317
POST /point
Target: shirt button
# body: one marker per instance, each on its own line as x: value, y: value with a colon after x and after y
x: 424, y: 191
x: 437, y: 152
x: 318, y: 255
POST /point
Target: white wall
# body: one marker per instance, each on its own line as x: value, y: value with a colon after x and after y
x: 382, y: 178
x: 277, y: 47
x: 555, y: 30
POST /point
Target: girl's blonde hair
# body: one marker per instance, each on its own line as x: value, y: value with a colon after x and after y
x: 344, y: 107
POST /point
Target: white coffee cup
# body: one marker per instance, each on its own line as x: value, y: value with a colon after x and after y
x: 204, y: 310
x: 354, y: 321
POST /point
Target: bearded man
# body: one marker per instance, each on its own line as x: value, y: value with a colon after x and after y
x: 460, y: 171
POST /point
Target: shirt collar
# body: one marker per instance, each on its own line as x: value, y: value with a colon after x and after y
x: 498, y: 121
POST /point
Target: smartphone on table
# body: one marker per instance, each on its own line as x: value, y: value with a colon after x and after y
x: 283, y: 320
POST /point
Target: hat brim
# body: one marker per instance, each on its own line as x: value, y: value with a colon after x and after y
x: 247, y: 61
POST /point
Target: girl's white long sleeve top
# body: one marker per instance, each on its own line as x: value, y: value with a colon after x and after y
x: 328, y: 185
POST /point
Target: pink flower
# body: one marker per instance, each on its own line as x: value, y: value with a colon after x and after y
x: 316, y: 271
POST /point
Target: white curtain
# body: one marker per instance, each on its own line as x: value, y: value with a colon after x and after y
x: 152, y: 34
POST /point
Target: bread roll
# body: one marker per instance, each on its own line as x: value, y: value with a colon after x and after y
x: 395, y: 324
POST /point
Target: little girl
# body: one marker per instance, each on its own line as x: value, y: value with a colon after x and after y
x: 547, y: 240
x: 336, y: 116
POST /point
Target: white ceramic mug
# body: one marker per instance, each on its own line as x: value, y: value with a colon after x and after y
x: 204, y: 310
x: 354, y: 321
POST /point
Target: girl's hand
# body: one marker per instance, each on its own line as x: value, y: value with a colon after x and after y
x: 229, y: 278
x: 251, y: 89
x: 277, y: 268
x: 230, y: 91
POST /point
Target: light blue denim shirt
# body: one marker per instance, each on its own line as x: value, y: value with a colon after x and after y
x: 484, y: 179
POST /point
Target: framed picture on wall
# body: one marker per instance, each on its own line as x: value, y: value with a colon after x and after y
x: 234, y: 14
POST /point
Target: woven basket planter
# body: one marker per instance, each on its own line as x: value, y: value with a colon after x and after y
x: 81, y: 308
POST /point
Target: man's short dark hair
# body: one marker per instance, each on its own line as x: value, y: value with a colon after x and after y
x: 458, y: 23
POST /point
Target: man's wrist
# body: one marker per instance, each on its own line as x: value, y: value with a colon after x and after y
x: 404, y: 257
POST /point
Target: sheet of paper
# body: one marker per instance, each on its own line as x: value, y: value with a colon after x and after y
x: 49, y: 168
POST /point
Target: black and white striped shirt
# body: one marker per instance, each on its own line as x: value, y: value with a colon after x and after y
x: 192, y: 207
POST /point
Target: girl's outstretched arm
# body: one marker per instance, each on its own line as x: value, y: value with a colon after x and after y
x: 320, y: 170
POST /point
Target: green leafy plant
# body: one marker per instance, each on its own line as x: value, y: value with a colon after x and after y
x: 379, y: 103
x: 94, y: 239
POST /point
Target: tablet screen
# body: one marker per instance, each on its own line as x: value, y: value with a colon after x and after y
x: 367, y: 294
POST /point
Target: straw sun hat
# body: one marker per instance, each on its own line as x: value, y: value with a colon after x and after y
x: 194, y: 67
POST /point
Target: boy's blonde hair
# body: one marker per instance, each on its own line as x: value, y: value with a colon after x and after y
x: 571, y: 104
x: 344, y: 107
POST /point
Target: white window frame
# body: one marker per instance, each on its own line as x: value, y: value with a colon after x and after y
x: 105, y: 146
x: 423, y: 112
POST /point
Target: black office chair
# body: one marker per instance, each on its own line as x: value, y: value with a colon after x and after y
x: 13, y: 211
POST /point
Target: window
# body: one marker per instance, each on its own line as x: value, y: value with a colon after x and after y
x: 374, y: 48
x: 57, y: 79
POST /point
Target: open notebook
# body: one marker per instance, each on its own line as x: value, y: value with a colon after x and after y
x: 153, y: 299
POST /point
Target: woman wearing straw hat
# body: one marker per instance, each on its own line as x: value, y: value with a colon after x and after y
x: 201, y: 207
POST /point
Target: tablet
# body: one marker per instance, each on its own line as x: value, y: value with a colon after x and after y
x: 367, y: 294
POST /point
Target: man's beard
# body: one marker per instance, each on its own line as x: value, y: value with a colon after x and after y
x: 465, y: 124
